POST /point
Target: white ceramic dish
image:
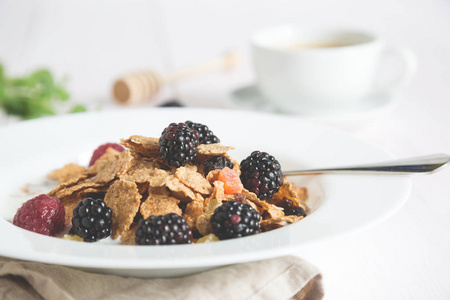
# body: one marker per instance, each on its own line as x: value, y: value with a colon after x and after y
x: 348, y: 203
x: 364, y: 112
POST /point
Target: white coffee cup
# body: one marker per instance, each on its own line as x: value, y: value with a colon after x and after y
x: 302, y: 70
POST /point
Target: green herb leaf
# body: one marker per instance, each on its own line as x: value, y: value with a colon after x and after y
x: 30, y: 96
x: 78, y: 108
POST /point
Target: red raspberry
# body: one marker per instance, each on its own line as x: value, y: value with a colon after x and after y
x: 102, y: 150
x: 42, y: 214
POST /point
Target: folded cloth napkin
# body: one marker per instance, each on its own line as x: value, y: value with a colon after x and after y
x: 286, y: 277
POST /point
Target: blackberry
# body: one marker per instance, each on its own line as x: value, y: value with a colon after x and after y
x: 234, y: 219
x: 163, y: 230
x: 91, y: 220
x: 217, y: 163
x: 295, y: 211
x: 261, y: 174
x: 206, y: 135
x: 178, y: 144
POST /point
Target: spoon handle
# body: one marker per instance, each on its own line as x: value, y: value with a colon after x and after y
x: 415, y: 165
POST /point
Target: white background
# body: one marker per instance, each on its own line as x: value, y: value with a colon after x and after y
x: 94, y: 42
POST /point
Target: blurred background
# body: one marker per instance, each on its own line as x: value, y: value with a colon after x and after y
x: 94, y: 42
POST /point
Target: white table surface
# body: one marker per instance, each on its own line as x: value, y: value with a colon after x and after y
x: 407, y: 256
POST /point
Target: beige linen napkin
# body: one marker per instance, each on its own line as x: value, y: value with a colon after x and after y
x: 286, y: 277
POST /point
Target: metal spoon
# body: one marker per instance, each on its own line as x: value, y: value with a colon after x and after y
x: 414, y: 165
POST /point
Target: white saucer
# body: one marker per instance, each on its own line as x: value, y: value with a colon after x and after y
x: 368, y: 108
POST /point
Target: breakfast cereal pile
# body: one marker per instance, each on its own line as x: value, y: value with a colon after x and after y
x: 181, y: 188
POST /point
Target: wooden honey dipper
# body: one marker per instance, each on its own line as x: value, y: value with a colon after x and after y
x: 137, y: 87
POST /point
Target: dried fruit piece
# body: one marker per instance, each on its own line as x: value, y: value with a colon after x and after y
x: 285, y: 203
x: 295, y: 211
x: 209, y: 238
x: 231, y: 180
x: 41, y: 214
x: 72, y: 238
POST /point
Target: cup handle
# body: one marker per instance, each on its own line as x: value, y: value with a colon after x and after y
x: 409, y: 61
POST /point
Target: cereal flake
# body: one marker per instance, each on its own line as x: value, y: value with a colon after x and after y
x: 124, y: 199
